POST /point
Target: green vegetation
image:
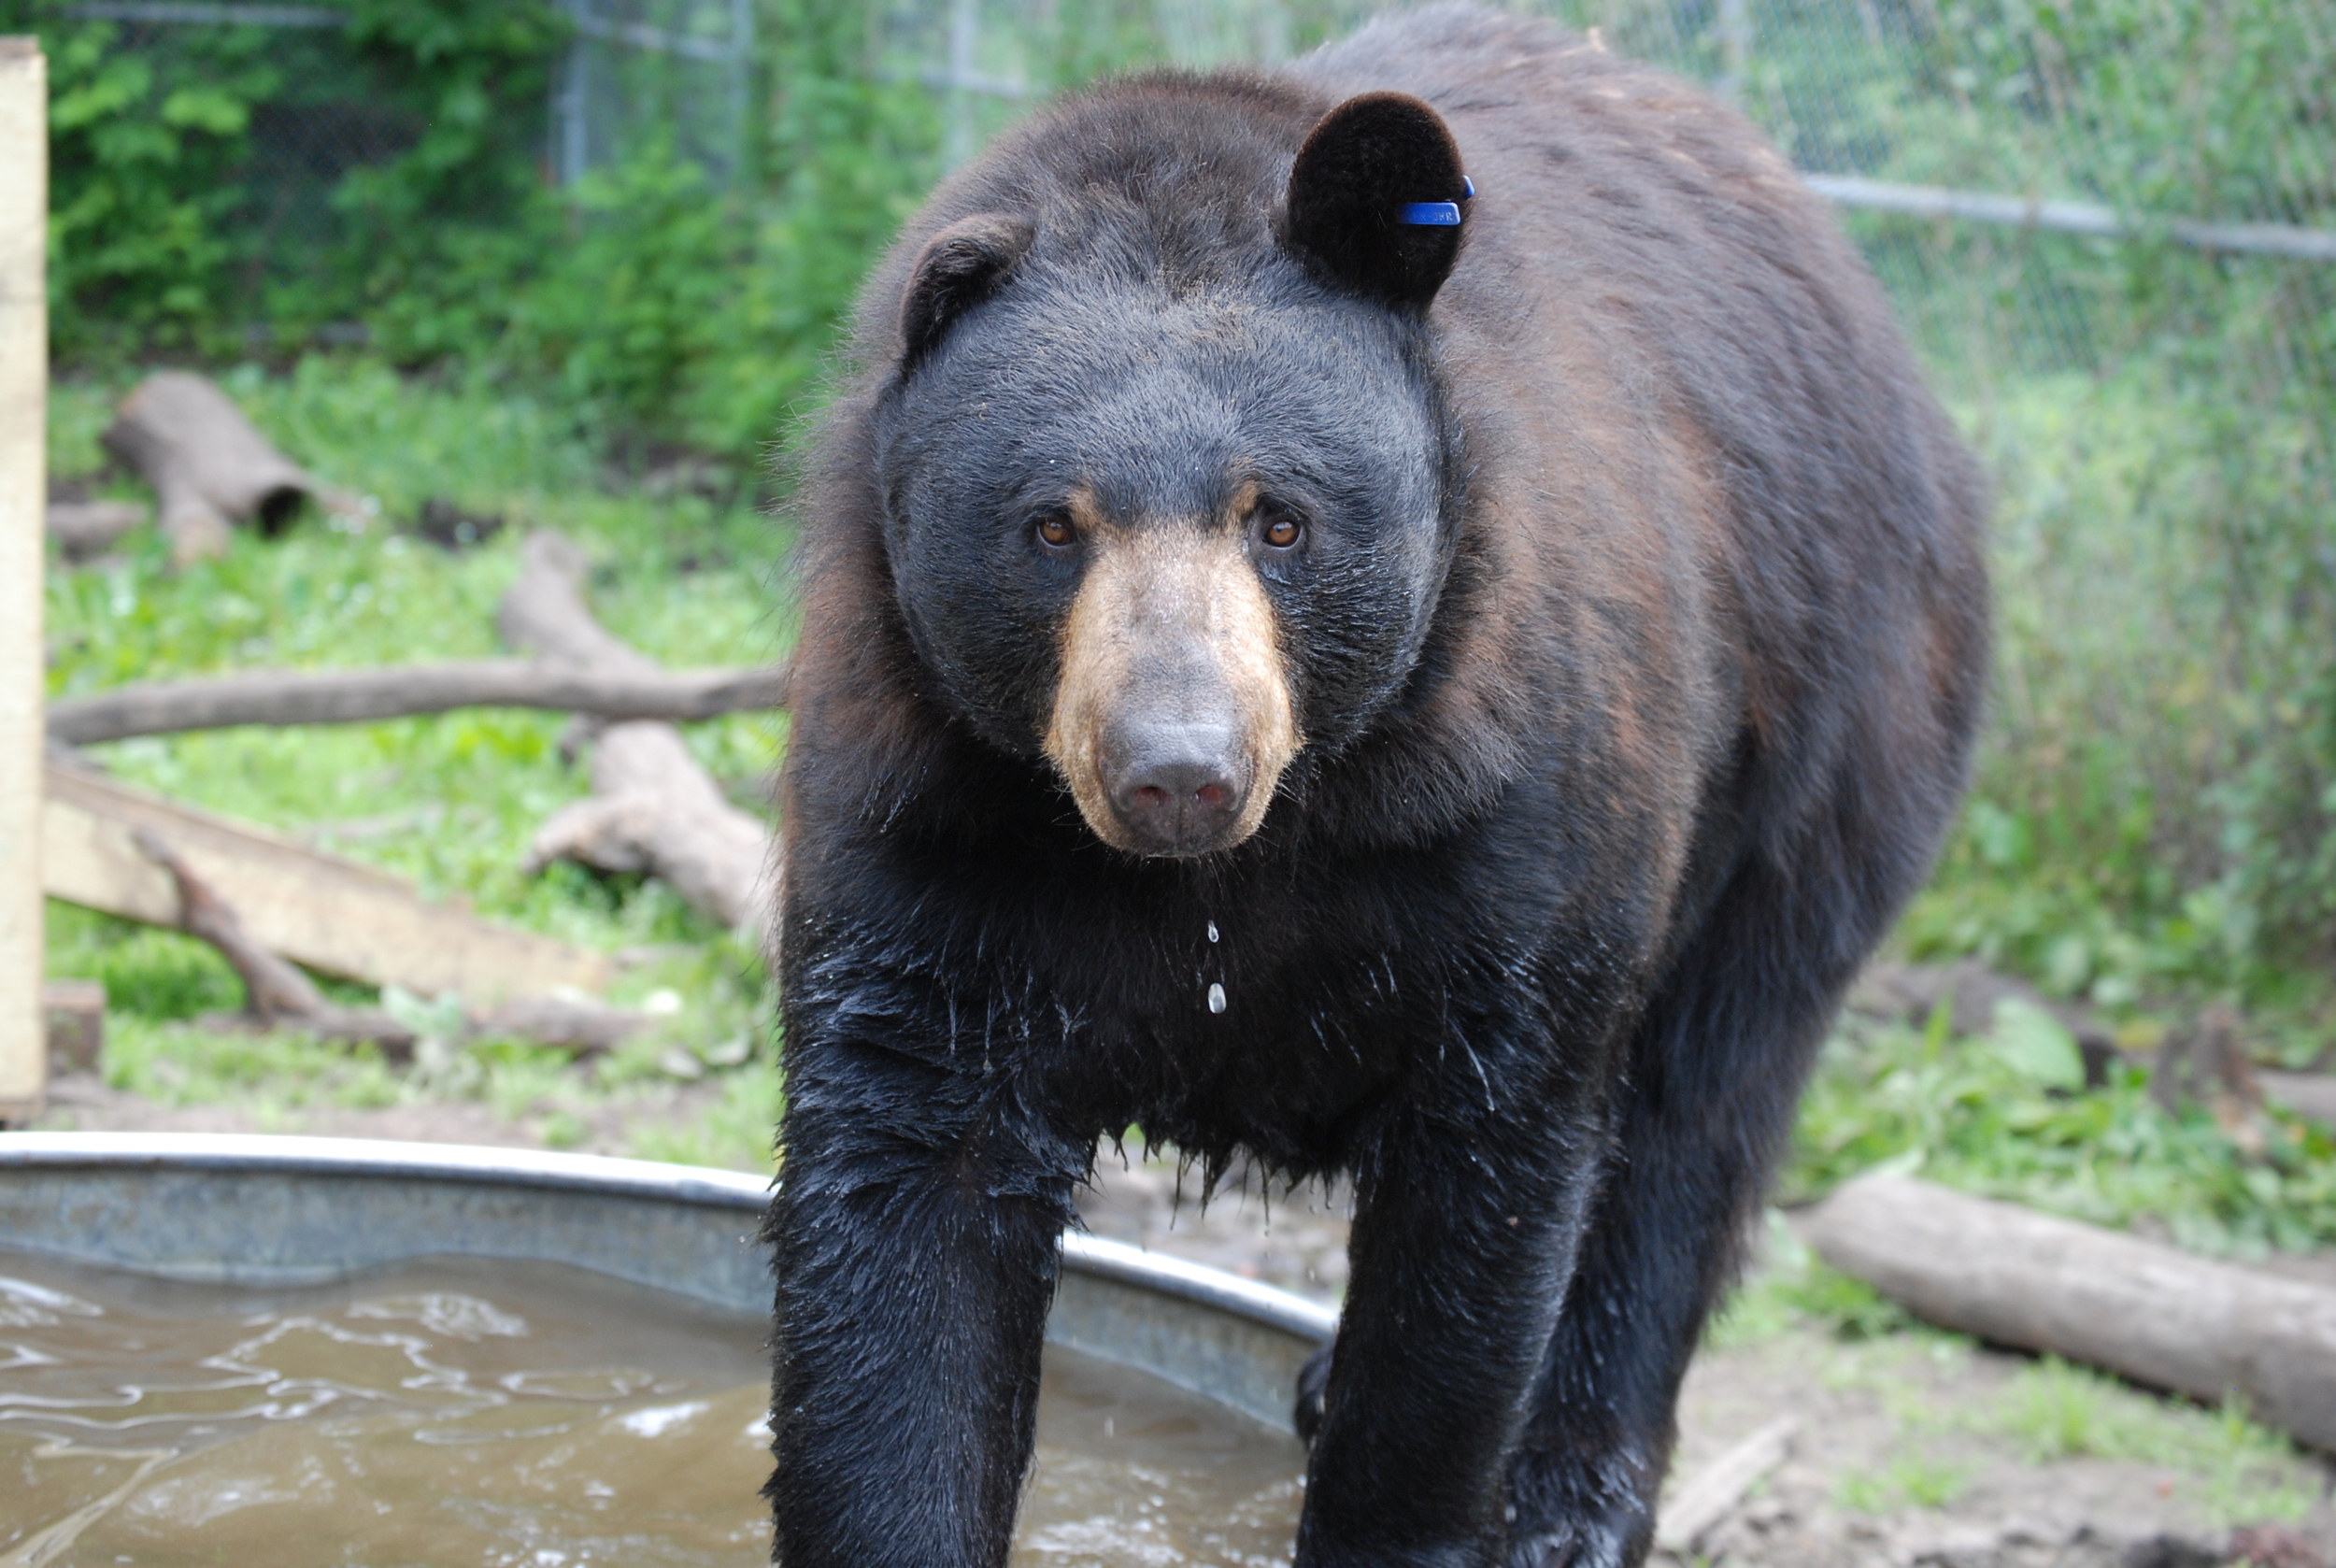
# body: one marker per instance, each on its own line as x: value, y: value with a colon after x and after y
x: 178, y: 221
x: 1910, y: 1480
x: 2058, y: 1411
x: 450, y: 802
x: 650, y: 302
x: 2005, y: 1113
x: 2154, y: 818
x: 1948, y: 1414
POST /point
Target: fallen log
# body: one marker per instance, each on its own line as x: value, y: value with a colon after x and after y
x: 333, y: 915
x: 578, y: 1023
x: 403, y: 690
x: 653, y: 809
x: 210, y: 468
x: 2307, y: 1094
x: 543, y: 612
x: 2160, y: 1317
x: 87, y: 529
x: 276, y: 994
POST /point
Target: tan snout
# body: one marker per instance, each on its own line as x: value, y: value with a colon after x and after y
x: 1173, y: 721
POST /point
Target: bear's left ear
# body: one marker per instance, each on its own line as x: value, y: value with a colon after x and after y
x: 958, y: 267
x: 1376, y: 199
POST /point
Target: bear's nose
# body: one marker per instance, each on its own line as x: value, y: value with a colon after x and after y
x: 1176, y: 787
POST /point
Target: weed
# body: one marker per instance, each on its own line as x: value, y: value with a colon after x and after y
x: 1994, y: 1116
x: 564, y: 1130
x: 156, y: 974
x: 178, y: 1063
x: 1910, y: 1480
x: 1792, y: 1288
x: 449, y: 802
x: 2240, y: 1471
x: 735, y: 1132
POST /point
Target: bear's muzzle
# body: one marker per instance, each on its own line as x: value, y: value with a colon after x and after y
x: 1173, y: 719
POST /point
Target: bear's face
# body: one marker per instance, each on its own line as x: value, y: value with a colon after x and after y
x: 1165, y: 542
x: 1164, y: 522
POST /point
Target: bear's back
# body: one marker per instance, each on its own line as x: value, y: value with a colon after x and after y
x: 1645, y: 270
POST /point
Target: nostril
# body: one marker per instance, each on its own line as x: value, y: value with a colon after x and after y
x: 1176, y: 784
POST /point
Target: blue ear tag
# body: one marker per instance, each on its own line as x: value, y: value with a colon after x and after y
x: 1436, y: 215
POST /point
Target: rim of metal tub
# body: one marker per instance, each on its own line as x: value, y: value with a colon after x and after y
x: 80, y: 1194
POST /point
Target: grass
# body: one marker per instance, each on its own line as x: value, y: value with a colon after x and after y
x: 449, y: 802
x: 735, y: 1132
x: 1948, y: 1413
x: 1794, y: 1289
x: 2005, y: 1114
x: 2241, y: 1471
x: 2150, y: 813
x: 1909, y: 1481
x: 276, y: 1076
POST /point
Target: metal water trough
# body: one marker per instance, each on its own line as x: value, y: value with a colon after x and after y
x: 273, y: 1211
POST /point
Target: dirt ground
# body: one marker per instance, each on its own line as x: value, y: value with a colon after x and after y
x: 1899, y: 1457
x: 1906, y: 1450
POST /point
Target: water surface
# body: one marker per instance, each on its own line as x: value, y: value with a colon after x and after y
x: 516, y: 1415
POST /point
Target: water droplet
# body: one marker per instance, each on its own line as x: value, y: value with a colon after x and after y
x: 1212, y: 930
x: 1216, y: 997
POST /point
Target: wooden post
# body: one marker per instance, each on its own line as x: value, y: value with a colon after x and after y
x: 23, y: 496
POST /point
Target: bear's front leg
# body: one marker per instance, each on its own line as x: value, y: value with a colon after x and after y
x: 917, y: 1232
x: 1466, y: 1229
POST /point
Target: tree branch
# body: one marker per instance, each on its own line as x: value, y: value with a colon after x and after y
x: 398, y: 692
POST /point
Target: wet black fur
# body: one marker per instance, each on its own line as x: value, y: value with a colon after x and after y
x: 1637, y: 643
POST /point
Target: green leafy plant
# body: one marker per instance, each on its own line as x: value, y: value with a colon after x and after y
x: 2242, y: 1473
x: 1910, y: 1480
x: 449, y: 802
x: 1996, y: 1116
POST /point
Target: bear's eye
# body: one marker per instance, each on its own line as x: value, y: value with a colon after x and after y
x: 1280, y: 530
x: 1055, y: 531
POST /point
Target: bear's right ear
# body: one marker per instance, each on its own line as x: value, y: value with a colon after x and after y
x: 1376, y: 199
x: 959, y: 268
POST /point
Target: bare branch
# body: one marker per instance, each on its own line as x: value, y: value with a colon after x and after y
x: 398, y: 692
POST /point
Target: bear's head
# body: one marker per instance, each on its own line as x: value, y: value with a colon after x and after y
x: 1170, y: 491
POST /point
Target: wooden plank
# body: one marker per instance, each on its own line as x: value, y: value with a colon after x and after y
x: 330, y: 914
x: 24, y: 487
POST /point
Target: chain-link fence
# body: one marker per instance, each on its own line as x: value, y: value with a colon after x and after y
x: 2110, y: 226
x: 329, y: 117
x: 638, y: 70
x: 633, y: 72
x: 1857, y: 92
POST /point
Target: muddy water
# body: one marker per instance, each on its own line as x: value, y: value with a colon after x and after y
x: 516, y: 1416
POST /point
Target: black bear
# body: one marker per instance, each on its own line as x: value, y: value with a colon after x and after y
x: 1408, y: 616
